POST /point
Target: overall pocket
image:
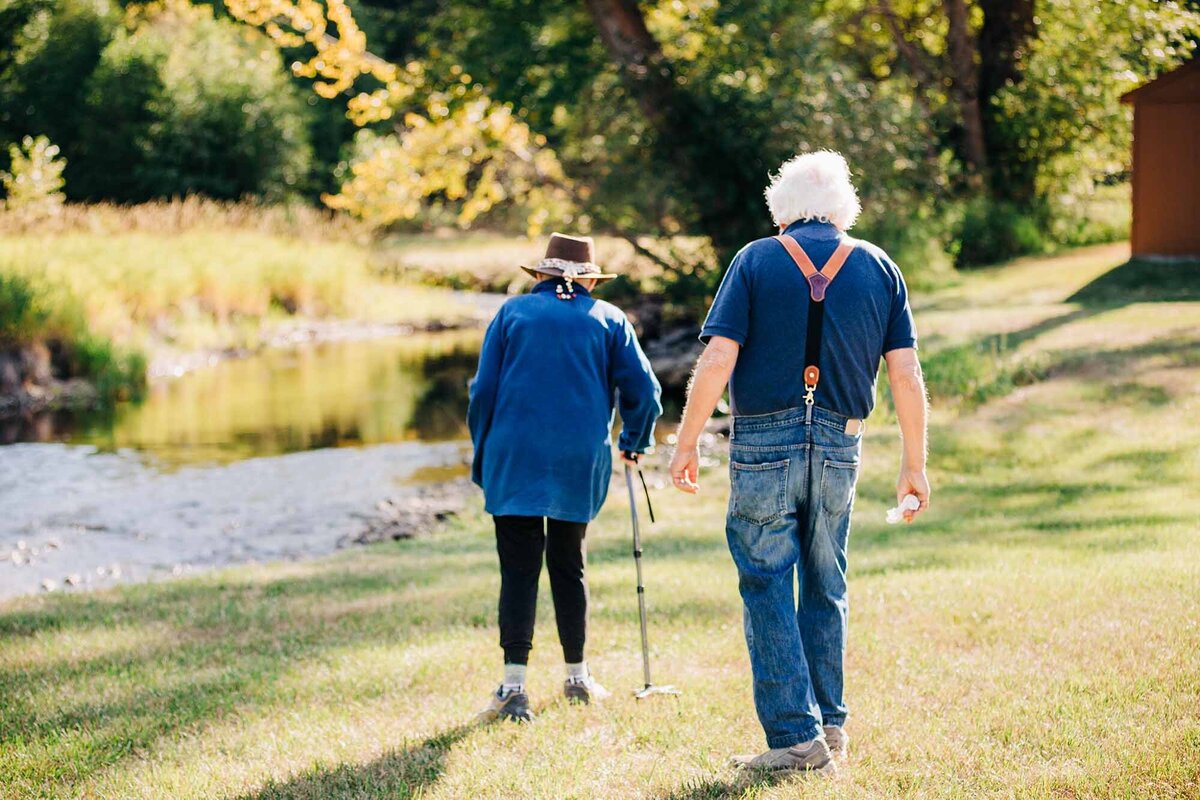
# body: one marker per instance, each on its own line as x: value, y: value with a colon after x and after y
x: 758, y: 493
x: 837, y: 486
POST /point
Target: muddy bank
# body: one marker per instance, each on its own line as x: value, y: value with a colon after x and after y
x: 28, y: 383
x: 77, y: 519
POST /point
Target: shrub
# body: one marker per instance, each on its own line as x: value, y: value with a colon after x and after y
x: 917, y: 241
x: 22, y: 316
x: 46, y: 57
x: 33, y: 184
x: 992, y: 231
x: 117, y: 374
x: 31, y: 313
x: 190, y: 104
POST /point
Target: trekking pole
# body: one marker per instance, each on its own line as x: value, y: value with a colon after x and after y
x: 649, y: 688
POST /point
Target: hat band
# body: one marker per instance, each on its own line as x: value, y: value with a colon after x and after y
x: 569, y: 269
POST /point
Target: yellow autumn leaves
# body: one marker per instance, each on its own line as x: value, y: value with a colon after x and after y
x: 338, y: 61
x: 455, y: 151
x: 475, y: 157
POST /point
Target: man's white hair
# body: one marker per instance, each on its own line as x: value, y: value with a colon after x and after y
x: 814, y: 186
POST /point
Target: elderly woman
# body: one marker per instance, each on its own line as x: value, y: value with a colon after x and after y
x: 554, y: 364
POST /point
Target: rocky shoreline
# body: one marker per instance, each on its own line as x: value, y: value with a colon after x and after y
x: 417, y: 513
x: 89, y: 519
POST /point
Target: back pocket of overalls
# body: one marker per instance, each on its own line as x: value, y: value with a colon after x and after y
x: 759, y: 491
x: 837, y: 485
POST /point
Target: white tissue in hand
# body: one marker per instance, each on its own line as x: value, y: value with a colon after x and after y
x: 910, y: 503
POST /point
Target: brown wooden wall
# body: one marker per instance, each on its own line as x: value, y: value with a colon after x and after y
x: 1166, y: 172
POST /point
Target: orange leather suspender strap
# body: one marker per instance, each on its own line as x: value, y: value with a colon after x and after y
x: 818, y: 283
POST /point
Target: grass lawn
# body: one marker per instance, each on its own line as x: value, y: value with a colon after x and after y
x: 1036, y: 635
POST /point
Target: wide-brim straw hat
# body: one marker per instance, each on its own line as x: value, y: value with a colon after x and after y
x: 570, y: 257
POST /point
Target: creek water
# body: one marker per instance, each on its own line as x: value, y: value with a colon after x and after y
x: 273, y: 456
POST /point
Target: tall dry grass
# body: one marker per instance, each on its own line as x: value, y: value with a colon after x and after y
x: 183, y: 215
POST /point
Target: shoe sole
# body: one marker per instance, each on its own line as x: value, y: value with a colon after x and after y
x: 577, y: 694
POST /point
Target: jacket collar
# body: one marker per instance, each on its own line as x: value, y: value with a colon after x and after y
x: 813, y: 229
x: 551, y: 285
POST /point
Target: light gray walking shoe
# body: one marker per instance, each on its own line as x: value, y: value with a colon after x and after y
x: 584, y: 690
x: 506, y: 705
x: 838, y: 741
x: 811, y: 756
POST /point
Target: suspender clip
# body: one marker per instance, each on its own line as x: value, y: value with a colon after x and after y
x: 812, y: 374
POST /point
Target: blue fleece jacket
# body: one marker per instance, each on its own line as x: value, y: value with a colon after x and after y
x: 551, y: 372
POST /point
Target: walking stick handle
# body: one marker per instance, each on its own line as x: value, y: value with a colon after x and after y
x: 634, y: 457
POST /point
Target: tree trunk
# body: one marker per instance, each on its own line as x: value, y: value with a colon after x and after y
x: 716, y: 152
x: 624, y: 34
x: 1008, y: 28
x: 965, y: 87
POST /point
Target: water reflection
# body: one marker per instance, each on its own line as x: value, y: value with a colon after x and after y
x: 282, y: 401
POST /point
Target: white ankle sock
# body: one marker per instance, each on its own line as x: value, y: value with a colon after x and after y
x: 514, y: 678
x: 577, y: 671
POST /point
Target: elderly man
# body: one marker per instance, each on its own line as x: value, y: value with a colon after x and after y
x: 799, y: 347
x: 554, y: 364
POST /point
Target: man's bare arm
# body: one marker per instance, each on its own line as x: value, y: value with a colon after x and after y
x: 912, y: 410
x: 708, y: 383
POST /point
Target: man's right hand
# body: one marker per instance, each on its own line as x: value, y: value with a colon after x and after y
x: 685, y: 469
x: 708, y: 383
x: 913, y: 481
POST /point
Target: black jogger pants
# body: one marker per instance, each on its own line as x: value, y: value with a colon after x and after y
x: 520, y: 541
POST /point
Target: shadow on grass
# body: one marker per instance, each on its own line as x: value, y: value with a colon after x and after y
x: 744, y: 784
x: 397, y: 774
x: 225, y: 644
x: 1141, y: 281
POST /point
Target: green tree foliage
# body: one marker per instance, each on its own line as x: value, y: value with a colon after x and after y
x: 993, y: 121
x: 48, y: 48
x: 666, y: 116
x: 190, y: 104
x: 214, y: 112
x: 1029, y: 109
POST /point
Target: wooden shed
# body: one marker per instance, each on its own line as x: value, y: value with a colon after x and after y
x: 1166, y: 164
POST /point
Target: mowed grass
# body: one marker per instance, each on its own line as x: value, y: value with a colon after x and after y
x: 1036, y: 635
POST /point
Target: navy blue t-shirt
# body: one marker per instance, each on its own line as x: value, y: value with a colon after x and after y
x: 763, y: 306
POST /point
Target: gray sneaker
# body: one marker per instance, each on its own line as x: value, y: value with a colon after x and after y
x: 510, y: 705
x: 838, y: 741
x: 584, y: 690
x: 812, y: 756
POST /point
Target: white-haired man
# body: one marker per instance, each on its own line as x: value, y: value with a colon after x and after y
x: 799, y: 348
